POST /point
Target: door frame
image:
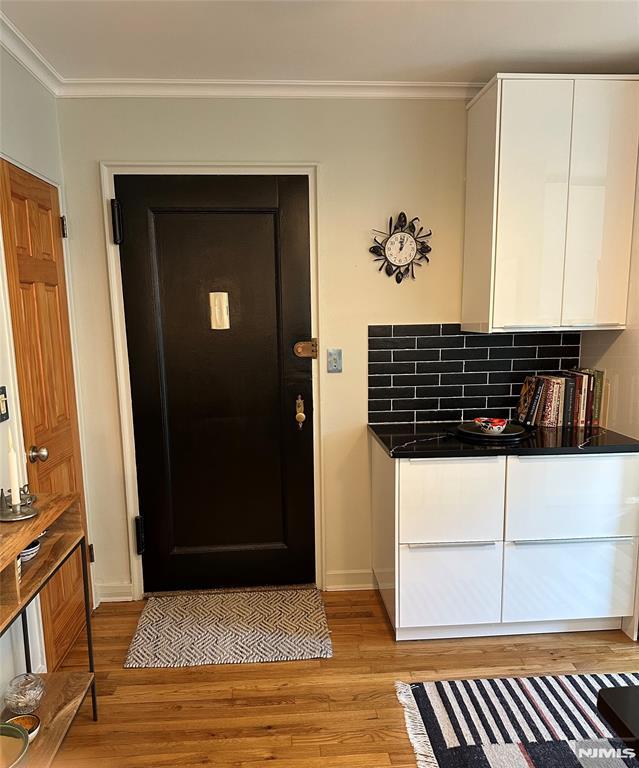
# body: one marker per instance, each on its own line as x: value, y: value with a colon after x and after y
x: 108, y: 170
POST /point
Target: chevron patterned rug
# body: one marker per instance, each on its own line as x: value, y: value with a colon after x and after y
x: 226, y: 627
x: 517, y: 722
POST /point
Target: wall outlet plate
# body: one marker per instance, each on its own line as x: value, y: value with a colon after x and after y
x: 4, y: 405
x: 334, y: 360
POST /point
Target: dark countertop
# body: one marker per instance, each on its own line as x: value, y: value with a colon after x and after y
x: 417, y: 441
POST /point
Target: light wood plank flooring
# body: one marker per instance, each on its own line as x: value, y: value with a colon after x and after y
x: 339, y: 712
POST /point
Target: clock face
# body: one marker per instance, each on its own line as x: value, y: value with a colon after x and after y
x: 400, y: 249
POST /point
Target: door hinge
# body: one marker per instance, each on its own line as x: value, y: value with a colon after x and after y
x: 139, y: 535
x: 116, y: 221
x: 63, y: 226
x: 91, y: 553
x: 306, y: 348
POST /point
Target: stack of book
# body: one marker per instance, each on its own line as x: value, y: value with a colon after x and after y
x: 569, y: 399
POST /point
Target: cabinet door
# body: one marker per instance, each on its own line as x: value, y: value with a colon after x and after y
x: 446, y: 585
x: 448, y: 500
x: 601, y: 202
x: 561, y: 580
x: 534, y: 154
x: 571, y: 497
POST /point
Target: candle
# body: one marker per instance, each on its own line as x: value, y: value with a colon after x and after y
x: 14, y: 481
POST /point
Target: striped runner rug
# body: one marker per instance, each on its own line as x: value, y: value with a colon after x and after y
x: 519, y: 722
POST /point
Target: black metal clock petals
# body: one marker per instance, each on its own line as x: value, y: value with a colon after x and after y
x: 400, y: 224
x: 401, y: 248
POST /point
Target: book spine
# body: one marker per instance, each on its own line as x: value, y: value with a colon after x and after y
x: 590, y: 384
x: 596, y: 410
x: 547, y: 416
x: 582, y: 400
x: 569, y: 402
x: 534, y: 404
x: 561, y: 387
x: 541, y: 405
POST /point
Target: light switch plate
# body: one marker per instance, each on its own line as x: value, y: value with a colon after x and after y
x: 4, y: 405
x: 334, y: 360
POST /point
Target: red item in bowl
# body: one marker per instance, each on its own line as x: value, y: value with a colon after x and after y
x: 490, y: 424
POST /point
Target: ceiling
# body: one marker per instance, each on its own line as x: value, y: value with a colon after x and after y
x: 372, y: 41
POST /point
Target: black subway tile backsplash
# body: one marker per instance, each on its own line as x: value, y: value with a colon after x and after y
x: 380, y: 330
x: 416, y: 330
x: 380, y: 356
x: 405, y: 342
x: 440, y: 342
x: 447, y: 366
x: 415, y: 354
x: 420, y: 373
x: 375, y: 368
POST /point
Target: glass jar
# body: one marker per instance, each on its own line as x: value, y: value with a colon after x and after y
x: 24, y: 693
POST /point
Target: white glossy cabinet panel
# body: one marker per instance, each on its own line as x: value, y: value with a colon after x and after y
x: 384, y: 549
x: 564, y: 580
x: 534, y: 155
x: 603, y: 167
x: 555, y: 497
x: 447, y: 500
x: 450, y: 584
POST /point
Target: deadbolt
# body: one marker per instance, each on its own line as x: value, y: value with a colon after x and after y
x: 37, y: 454
x: 300, y: 416
x: 306, y: 348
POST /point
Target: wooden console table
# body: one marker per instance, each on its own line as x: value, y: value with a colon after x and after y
x: 64, y: 691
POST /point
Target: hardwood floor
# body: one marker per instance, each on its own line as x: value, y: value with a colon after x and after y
x: 339, y: 712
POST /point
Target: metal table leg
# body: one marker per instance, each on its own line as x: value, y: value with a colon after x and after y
x: 25, y: 637
x: 87, y: 614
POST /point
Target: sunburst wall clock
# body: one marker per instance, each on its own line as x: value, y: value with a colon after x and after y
x: 402, y: 248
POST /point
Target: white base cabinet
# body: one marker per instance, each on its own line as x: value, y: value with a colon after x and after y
x: 449, y: 584
x: 569, y: 579
x: 472, y: 546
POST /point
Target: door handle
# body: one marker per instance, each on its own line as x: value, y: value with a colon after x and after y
x: 37, y: 454
x: 300, y: 416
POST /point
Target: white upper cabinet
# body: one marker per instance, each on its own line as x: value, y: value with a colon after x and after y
x: 603, y: 167
x: 534, y: 160
x: 550, y: 191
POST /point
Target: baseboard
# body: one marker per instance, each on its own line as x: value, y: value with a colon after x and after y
x: 339, y: 581
x: 497, y: 630
x: 114, y: 592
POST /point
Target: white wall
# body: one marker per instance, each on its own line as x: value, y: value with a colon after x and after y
x: 617, y: 352
x: 376, y: 157
x: 28, y: 137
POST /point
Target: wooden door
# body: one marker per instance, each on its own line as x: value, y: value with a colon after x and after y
x: 40, y: 320
x: 225, y: 474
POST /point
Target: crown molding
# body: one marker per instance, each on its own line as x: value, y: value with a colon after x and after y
x: 13, y: 41
x: 257, y: 89
x: 22, y: 50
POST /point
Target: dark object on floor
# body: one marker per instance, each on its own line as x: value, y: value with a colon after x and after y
x: 620, y: 707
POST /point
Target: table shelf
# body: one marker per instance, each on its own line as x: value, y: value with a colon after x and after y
x: 64, y: 693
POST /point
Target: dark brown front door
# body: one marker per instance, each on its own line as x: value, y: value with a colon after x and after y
x: 225, y: 474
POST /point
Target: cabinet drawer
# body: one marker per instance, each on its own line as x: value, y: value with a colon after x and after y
x: 570, y: 497
x: 578, y: 579
x: 451, y: 499
x: 450, y: 584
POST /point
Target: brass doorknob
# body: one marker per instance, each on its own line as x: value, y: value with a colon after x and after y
x: 37, y: 454
x: 300, y: 416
